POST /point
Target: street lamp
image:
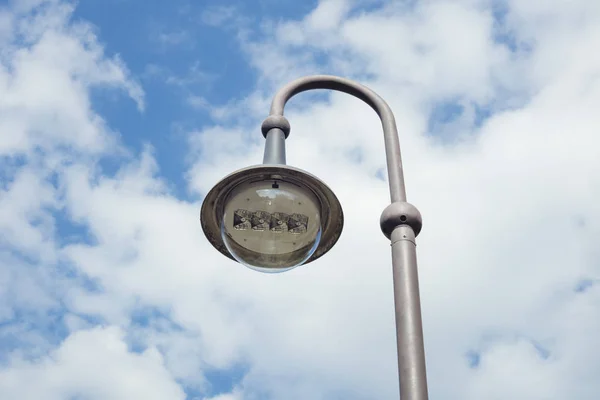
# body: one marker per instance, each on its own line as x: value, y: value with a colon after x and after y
x: 273, y: 217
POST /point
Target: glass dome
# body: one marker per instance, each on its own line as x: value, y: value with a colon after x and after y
x: 271, y: 226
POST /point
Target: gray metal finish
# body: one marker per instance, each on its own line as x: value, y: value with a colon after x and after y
x: 332, y: 216
x: 409, y: 334
x: 275, y: 147
x: 275, y: 121
x: 400, y: 222
x: 390, y: 132
x: 400, y: 213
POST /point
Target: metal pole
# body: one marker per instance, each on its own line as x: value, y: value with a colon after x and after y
x: 411, y: 351
x: 390, y: 132
x: 400, y: 222
x: 274, y: 147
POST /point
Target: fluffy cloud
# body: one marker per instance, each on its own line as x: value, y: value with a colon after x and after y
x: 496, y: 110
x: 92, y: 364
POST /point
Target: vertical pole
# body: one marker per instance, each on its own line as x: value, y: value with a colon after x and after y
x: 409, y: 326
x: 274, y: 147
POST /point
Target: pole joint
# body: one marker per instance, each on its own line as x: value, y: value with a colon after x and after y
x: 276, y: 121
x: 400, y: 213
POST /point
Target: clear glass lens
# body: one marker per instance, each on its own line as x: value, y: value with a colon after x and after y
x: 271, y: 226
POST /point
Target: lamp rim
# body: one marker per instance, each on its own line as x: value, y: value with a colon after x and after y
x: 331, y: 214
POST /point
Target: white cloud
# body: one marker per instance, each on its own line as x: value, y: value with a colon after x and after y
x: 226, y: 397
x: 48, y: 68
x: 328, y: 14
x: 56, y: 58
x: 26, y: 224
x: 219, y: 16
x: 94, y: 364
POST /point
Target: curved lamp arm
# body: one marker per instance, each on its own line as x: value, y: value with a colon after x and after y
x: 400, y: 222
x: 383, y: 110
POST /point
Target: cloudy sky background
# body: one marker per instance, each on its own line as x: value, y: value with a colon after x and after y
x: 117, y: 116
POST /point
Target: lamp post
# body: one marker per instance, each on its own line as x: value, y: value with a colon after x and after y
x: 273, y: 217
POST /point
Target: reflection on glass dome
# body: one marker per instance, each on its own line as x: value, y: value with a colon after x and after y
x: 264, y: 221
x: 271, y: 226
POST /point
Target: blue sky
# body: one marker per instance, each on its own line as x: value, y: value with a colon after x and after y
x: 169, y: 43
x: 117, y: 116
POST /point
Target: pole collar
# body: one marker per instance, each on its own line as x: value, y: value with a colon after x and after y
x: 400, y: 213
x: 276, y: 121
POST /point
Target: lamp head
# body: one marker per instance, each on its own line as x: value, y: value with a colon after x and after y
x: 271, y: 218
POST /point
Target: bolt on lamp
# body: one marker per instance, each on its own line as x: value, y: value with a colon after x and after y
x: 273, y: 217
